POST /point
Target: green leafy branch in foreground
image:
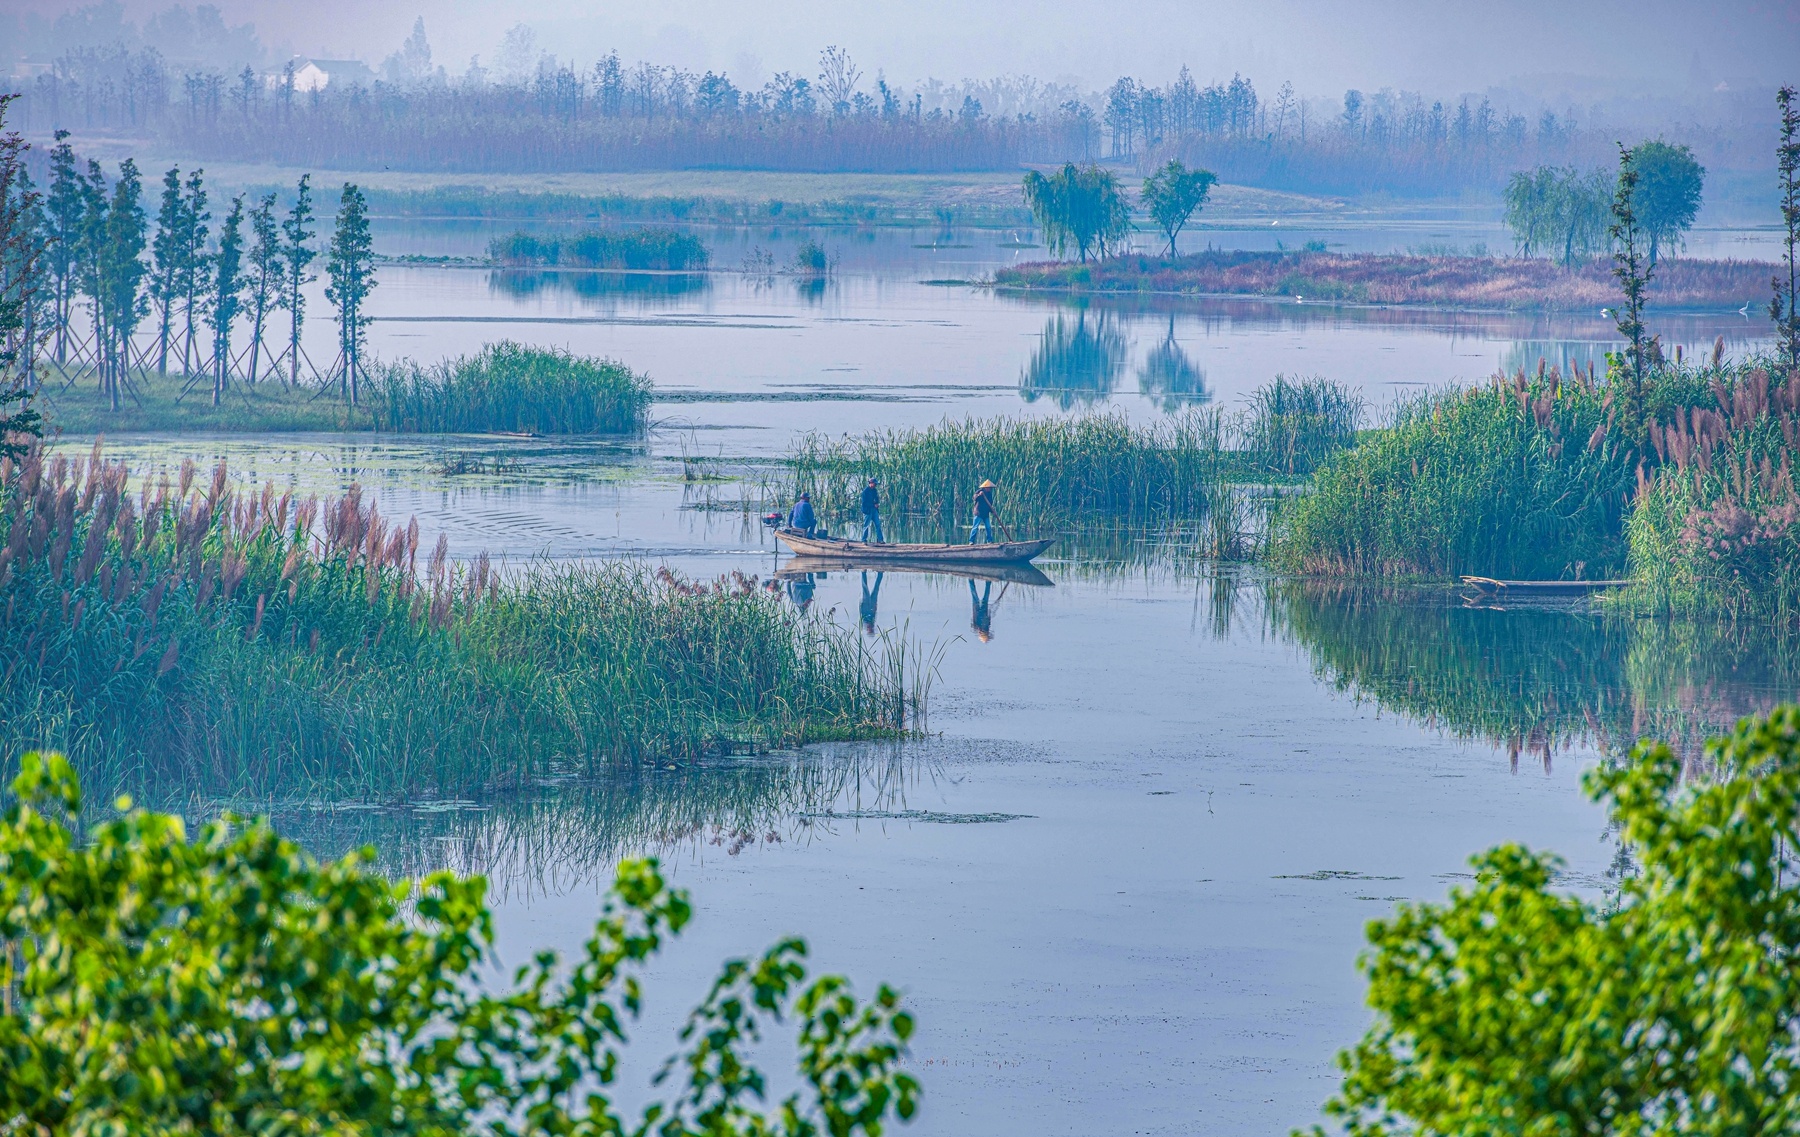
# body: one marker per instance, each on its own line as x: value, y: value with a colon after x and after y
x: 231, y: 984
x: 1674, y: 1008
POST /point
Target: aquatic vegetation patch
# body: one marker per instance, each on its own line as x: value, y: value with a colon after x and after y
x: 1092, y: 469
x: 635, y: 247
x: 1529, y: 477
x: 1717, y: 528
x: 259, y: 646
x: 509, y: 386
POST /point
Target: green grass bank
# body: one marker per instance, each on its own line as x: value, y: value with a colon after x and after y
x: 506, y: 386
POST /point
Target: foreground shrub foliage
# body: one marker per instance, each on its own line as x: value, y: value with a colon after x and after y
x: 250, y: 643
x: 231, y: 984
x: 509, y: 386
x: 1671, y: 1008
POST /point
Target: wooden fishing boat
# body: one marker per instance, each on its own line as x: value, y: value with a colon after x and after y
x: 999, y: 572
x: 1488, y: 586
x: 996, y: 552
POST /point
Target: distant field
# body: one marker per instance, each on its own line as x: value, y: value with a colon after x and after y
x: 974, y: 194
x: 1473, y: 282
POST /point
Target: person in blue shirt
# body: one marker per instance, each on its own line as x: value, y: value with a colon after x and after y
x: 871, y: 511
x: 801, y: 516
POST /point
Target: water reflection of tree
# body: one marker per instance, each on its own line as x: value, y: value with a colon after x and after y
x: 545, y: 841
x: 1076, y: 361
x: 1170, y: 378
x: 1534, y: 681
x: 648, y: 290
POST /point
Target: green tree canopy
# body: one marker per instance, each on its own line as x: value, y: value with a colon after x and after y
x: 1558, y: 211
x: 1079, y: 207
x: 1673, y: 1007
x: 1172, y: 195
x: 231, y: 984
x: 1668, y: 192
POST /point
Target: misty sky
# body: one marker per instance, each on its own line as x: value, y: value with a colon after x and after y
x: 1438, y: 46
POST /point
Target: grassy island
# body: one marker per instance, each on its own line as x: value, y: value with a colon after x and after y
x: 1371, y: 278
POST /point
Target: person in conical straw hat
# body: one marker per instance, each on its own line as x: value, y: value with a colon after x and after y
x: 984, y: 511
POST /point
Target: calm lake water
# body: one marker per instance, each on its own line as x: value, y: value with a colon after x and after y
x: 1125, y: 880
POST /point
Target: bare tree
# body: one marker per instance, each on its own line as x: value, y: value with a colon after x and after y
x: 838, y: 77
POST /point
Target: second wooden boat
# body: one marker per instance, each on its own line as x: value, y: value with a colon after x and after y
x: 1488, y: 586
x: 995, y: 552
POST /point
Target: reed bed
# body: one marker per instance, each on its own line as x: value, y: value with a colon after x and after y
x: 1377, y: 278
x: 1717, y: 525
x: 1521, y: 477
x: 1089, y: 470
x: 647, y: 247
x: 267, y: 647
x: 512, y: 387
x: 1294, y: 425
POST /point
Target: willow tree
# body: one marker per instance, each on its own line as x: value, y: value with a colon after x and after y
x: 1078, y: 207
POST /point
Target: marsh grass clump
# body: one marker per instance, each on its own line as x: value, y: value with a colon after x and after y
x: 641, y: 248
x: 257, y: 645
x: 1523, y: 477
x: 1717, y: 525
x: 1090, y: 470
x: 1293, y: 425
x: 811, y: 260
x: 510, y: 386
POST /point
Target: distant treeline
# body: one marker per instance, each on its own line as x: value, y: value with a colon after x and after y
x: 479, y: 201
x: 611, y: 117
x: 644, y: 248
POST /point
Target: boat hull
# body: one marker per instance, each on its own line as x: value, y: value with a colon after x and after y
x: 997, y: 552
x: 999, y: 572
x: 1488, y: 586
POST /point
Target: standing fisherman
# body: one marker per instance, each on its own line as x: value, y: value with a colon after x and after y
x: 871, y: 509
x: 984, y: 512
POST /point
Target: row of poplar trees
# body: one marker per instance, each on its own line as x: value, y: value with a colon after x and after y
x: 124, y: 302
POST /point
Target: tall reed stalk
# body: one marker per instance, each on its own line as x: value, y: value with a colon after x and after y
x: 193, y: 634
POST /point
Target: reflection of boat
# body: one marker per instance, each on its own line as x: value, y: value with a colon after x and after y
x: 1488, y: 586
x: 1004, y: 572
x: 995, y: 552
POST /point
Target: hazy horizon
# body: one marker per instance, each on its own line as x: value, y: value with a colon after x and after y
x: 1539, y: 48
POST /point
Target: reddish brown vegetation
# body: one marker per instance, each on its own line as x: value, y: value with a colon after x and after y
x: 1369, y: 278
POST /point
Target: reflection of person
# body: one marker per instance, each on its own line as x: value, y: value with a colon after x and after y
x: 869, y: 598
x: 801, y: 517
x: 871, y: 510
x: 800, y: 590
x: 984, y: 514
x: 982, y: 620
